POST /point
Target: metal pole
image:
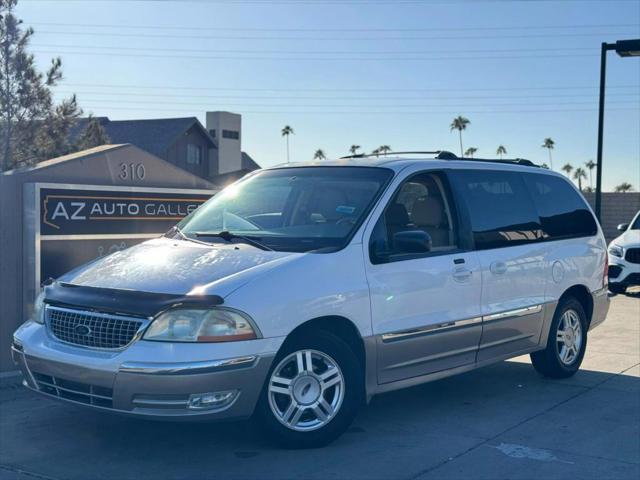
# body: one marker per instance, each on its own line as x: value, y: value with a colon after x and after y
x: 603, y: 68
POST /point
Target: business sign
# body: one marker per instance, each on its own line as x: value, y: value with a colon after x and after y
x: 75, y: 224
x: 95, y: 212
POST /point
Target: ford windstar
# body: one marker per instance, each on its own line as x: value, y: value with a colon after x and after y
x: 300, y: 291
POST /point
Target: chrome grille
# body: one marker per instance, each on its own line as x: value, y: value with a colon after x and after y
x: 92, y: 329
x: 633, y: 255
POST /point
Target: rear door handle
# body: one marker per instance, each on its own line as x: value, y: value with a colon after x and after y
x: 498, y: 268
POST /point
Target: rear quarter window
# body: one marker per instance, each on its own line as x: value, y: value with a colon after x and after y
x: 500, y: 208
x: 562, y: 210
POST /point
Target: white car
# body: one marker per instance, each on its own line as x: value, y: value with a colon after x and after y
x: 301, y: 291
x: 624, y: 257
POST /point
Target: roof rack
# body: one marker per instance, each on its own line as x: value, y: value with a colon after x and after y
x: 515, y: 161
x: 446, y: 155
x: 440, y: 154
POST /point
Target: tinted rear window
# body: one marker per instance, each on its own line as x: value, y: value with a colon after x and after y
x: 502, y: 213
x: 563, y: 212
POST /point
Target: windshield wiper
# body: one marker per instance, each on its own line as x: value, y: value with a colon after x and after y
x: 228, y: 236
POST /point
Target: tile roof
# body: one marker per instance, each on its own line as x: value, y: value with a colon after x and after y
x: 153, y: 135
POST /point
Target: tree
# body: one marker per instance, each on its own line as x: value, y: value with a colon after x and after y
x: 353, y: 149
x: 32, y: 127
x: 470, y: 151
x: 460, y: 123
x: 376, y: 152
x: 624, y: 187
x: 319, y: 155
x: 93, y: 135
x: 384, y: 149
x: 549, y: 144
x: 590, y: 166
x: 501, y: 151
x: 286, y: 131
x: 568, y: 168
x: 544, y: 165
x: 578, y: 175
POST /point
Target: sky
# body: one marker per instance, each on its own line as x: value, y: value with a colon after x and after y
x: 364, y: 72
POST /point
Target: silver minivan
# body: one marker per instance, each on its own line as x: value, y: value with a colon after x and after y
x: 301, y: 291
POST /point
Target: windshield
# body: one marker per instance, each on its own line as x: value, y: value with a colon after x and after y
x: 291, y: 209
x: 636, y: 223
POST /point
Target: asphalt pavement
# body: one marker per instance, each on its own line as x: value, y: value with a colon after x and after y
x: 503, y: 421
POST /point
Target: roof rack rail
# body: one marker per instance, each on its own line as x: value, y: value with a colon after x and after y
x: 515, y: 161
x: 446, y: 155
x: 440, y: 154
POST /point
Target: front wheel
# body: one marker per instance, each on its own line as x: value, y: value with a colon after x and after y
x: 312, y: 393
x: 566, y: 344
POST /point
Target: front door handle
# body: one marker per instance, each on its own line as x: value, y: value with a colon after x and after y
x: 498, y: 268
x: 461, y: 274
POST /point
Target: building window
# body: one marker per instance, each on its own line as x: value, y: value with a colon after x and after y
x: 212, y: 132
x: 194, y: 154
x: 233, y: 134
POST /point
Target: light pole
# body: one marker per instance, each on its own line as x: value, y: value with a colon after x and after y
x: 624, y: 48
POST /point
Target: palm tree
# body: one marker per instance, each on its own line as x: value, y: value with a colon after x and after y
x: 501, y: 151
x: 568, y: 168
x: 319, y: 155
x: 384, y: 149
x: 578, y: 175
x: 549, y: 144
x: 375, y: 152
x: 286, y: 131
x: 544, y: 165
x: 590, y: 165
x: 624, y: 187
x: 460, y: 123
x: 353, y: 149
x: 470, y: 151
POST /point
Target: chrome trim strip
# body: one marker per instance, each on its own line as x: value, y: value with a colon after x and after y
x: 416, y: 332
x: 154, y: 403
x: 187, y: 368
x: 518, y: 312
x: 443, y: 327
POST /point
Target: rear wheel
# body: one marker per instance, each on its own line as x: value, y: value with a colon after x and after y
x: 566, y: 344
x: 312, y: 393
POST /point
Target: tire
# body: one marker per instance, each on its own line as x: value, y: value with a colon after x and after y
x: 558, y: 360
x: 617, y: 288
x: 291, y: 413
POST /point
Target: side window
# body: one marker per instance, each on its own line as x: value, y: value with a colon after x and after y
x: 418, y: 220
x: 500, y: 208
x: 563, y: 213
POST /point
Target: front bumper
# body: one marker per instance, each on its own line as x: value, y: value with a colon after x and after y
x: 147, y: 379
x: 623, y: 272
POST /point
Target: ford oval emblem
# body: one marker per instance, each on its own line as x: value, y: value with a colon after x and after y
x: 82, y: 330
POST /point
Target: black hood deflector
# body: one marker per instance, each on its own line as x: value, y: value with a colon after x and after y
x: 131, y: 302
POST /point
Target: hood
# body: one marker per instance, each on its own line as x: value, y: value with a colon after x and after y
x: 176, y: 267
x: 630, y: 238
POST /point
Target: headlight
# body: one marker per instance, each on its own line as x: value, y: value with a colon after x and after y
x: 214, y: 325
x: 37, y: 313
x: 616, y: 251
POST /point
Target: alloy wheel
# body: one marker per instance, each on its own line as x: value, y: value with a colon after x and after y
x: 569, y: 337
x: 306, y: 390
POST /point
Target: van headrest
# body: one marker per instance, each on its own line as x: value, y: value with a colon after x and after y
x: 427, y: 211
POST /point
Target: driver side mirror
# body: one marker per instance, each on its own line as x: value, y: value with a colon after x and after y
x: 412, y: 241
x: 623, y: 227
